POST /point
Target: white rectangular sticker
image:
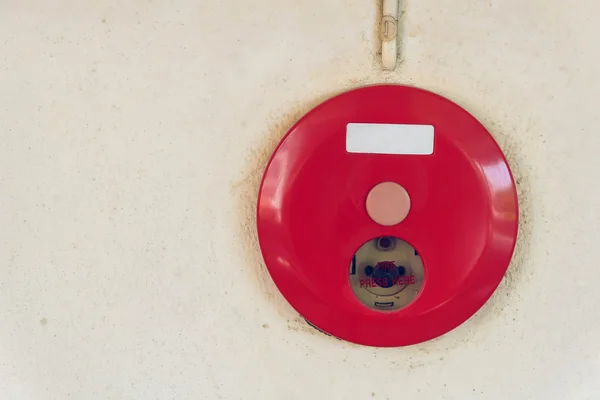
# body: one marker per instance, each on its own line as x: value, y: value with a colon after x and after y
x: 389, y: 139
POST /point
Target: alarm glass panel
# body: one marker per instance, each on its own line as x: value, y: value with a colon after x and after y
x: 386, y: 273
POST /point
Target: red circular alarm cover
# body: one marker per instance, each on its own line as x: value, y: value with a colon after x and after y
x: 460, y: 231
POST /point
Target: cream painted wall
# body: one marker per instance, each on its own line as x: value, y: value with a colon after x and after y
x: 133, y: 135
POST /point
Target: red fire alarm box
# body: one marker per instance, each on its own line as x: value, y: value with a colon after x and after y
x: 387, y: 216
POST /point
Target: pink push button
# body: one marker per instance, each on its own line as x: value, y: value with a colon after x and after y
x: 388, y: 203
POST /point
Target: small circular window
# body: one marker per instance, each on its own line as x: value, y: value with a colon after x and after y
x: 386, y: 273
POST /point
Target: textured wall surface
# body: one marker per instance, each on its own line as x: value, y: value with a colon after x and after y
x: 132, y: 141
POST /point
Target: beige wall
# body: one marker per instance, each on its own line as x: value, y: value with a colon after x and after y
x: 132, y: 139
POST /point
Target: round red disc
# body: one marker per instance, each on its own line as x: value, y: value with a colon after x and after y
x: 462, y: 223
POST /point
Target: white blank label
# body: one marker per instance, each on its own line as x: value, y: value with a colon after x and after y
x: 389, y: 139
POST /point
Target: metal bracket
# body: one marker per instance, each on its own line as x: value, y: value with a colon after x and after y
x: 389, y: 34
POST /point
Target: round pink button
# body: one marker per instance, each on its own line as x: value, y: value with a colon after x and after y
x: 388, y: 203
